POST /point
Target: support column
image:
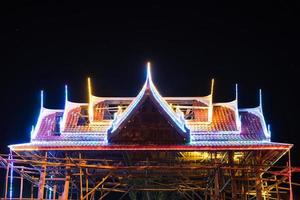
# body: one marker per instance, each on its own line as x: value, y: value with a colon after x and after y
x: 258, y: 183
x: 54, y: 192
x: 80, y: 179
x: 86, y: 183
x: 217, y: 186
x: 32, y: 191
x: 42, y: 179
x: 6, y: 179
x: 21, y: 184
x: 65, y: 194
x: 258, y: 187
x: 290, y: 177
x: 232, y: 175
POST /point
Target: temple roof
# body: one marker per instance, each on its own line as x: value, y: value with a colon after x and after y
x: 197, y: 119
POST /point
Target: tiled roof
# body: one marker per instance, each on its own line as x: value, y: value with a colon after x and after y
x: 205, y: 122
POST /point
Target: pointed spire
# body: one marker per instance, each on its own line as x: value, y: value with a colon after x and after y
x: 238, y: 118
x: 149, y: 75
x: 212, y: 86
x: 32, y: 130
x: 260, y: 100
x: 91, y: 113
x: 210, y: 111
x: 66, y: 93
x: 42, y: 99
x: 236, y: 91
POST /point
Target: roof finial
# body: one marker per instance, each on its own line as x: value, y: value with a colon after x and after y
x: 42, y: 99
x: 210, y: 111
x: 236, y: 91
x: 91, y: 113
x: 89, y: 88
x: 212, y: 86
x: 32, y: 130
x: 66, y: 93
x: 149, y: 77
x: 260, y: 99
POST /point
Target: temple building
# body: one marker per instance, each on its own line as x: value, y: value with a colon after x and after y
x: 151, y: 147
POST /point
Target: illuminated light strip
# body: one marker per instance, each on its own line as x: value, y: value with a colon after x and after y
x: 91, y: 105
x: 236, y: 110
x: 257, y: 112
x: 202, y: 146
x: 11, y: 178
x: 43, y: 113
x: 163, y: 103
x: 116, y: 122
x: 269, y: 132
x: 34, y: 133
x: 50, y: 190
x: 210, y: 110
x: 167, y: 108
x: 266, y: 129
x: 65, y: 115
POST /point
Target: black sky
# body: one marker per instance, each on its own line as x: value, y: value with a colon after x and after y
x: 45, y: 45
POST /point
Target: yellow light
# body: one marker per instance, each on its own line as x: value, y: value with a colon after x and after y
x: 210, y: 110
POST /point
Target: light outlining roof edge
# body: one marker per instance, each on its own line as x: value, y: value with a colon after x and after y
x: 65, y: 115
x: 266, y: 127
x: 96, y: 145
x: 68, y: 107
x: 91, y: 103
x: 237, y: 117
x: 257, y: 112
x: 162, y: 102
x: 43, y: 113
x: 210, y: 106
x: 181, y: 123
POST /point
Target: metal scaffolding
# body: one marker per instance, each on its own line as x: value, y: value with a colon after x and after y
x: 204, y: 175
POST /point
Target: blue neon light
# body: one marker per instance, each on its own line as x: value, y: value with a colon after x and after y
x: 11, y: 179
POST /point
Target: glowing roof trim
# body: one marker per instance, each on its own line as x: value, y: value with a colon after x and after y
x: 149, y: 85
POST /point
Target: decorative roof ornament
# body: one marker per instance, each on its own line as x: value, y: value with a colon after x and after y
x: 150, y: 90
x: 210, y: 108
x: 91, y: 105
x: 42, y: 99
x: 64, y: 118
x: 238, y: 120
x: 260, y: 101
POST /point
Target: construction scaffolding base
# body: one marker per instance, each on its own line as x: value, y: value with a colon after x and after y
x: 204, y: 175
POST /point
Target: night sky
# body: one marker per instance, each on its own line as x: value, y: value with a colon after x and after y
x: 47, y: 45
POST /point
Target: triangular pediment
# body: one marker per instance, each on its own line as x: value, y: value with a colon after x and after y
x: 148, y: 120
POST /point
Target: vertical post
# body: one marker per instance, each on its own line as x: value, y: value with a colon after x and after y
x: 290, y: 177
x: 258, y: 183
x: 65, y: 194
x: 232, y: 175
x: 21, y: 184
x: 217, y: 184
x: 11, y: 176
x: 86, y: 183
x: 277, y: 189
x: 6, y: 177
x: 32, y: 192
x: 80, y: 178
x: 54, y: 192
x: 42, y: 179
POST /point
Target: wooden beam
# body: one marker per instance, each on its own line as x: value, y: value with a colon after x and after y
x: 42, y: 180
